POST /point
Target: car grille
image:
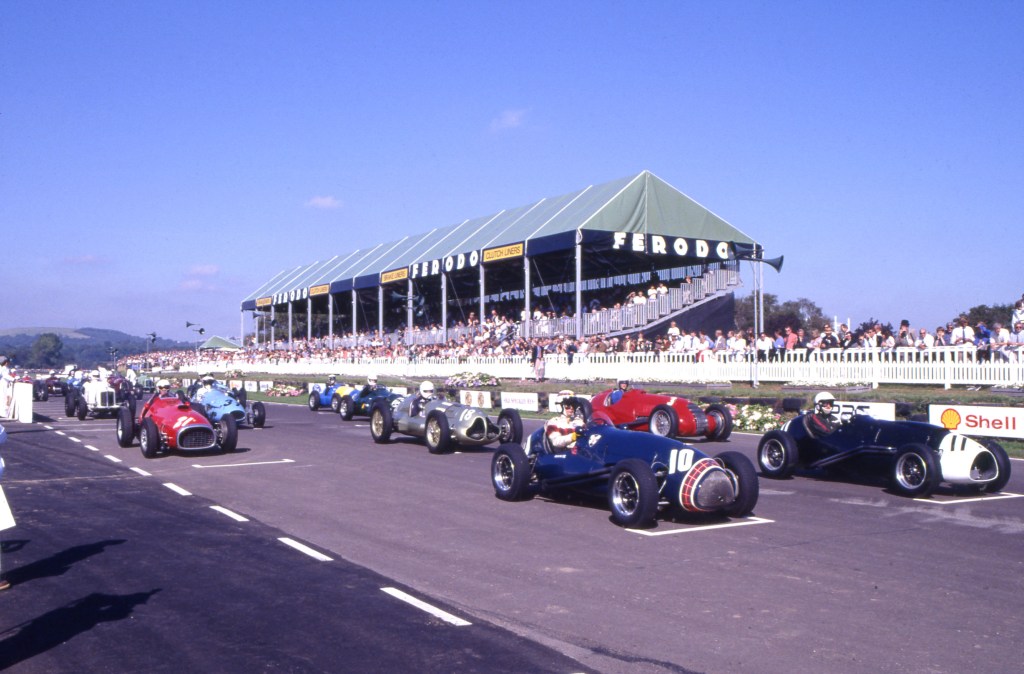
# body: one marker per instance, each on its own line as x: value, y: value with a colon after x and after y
x: 107, y: 399
x: 196, y: 437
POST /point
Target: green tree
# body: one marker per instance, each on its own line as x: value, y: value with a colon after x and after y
x: 997, y: 313
x: 799, y: 313
x: 46, y: 351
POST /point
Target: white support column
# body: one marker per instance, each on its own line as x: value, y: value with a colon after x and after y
x: 330, y: 318
x: 354, y: 302
x: 309, y: 319
x: 444, y: 306
x: 579, y: 287
x: 291, y: 328
x: 482, y: 291
x: 526, y: 286
x: 408, y: 311
x: 380, y: 311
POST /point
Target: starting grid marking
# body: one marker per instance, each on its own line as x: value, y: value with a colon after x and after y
x: 977, y: 499
x: 699, y: 528
x: 423, y: 606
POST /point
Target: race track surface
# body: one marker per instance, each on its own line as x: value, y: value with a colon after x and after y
x: 121, y: 563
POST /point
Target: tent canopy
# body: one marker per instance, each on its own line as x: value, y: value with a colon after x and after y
x: 219, y: 344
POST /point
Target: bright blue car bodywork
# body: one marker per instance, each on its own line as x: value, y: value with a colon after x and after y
x: 220, y: 402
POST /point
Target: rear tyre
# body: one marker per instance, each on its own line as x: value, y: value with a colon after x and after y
x: 381, y: 423
x: 777, y: 454
x: 915, y: 471
x: 228, y: 433
x: 125, y: 427
x: 314, y: 401
x: 747, y: 487
x: 70, y: 403
x: 664, y: 421
x: 719, y: 414
x: 259, y: 414
x: 438, y: 433
x: 510, y: 473
x: 633, y: 494
x: 346, y: 407
x: 81, y: 408
x: 149, y: 438
x: 510, y: 427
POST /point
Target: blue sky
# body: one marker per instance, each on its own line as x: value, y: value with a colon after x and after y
x: 160, y: 160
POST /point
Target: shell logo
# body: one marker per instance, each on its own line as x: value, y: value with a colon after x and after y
x: 950, y: 419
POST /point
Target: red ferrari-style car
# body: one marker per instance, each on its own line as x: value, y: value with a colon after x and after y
x: 670, y: 416
x: 169, y: 423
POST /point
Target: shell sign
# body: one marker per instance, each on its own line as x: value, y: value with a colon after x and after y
x: 999, y: 422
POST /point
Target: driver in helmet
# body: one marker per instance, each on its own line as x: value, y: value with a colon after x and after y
x: 822, y: 421
x: 163, y: 388
x: 371, y: 385
x: 92, y: 386
x: 562, y: 430
x: 621, y: 386
x: 419, y: 403
x: 208, y: 382
x: 331, y: 381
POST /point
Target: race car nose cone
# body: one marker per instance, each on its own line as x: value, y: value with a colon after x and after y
x: 714, y: 491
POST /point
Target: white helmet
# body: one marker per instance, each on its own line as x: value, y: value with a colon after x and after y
x: 163, y: 383
x: 95, y: 374
x: 371, y: 380
x: 427, y: 390
x: 822, y: 398
x: 209, y: 379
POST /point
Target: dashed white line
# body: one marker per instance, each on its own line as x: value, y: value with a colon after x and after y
x: 233, y: 515
x: 236, y: 465
x: 176, y: 489
x: 741, y: 523
x: 141, y: 472
x: 978, y: 499
x: 305, y: 549
x: 60, y: 433
x: 73, y: 439
x: 112, y: 458
x: 423, y: 606
x: 92, y: 448
x: 47, y: 427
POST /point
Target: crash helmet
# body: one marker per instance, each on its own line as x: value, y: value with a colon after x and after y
x: 162, y: 384
x: 331, y: 379
x: 620, y: 381
x: 208, y: 379
x: 53, y: 372
x: 371, y: 380
x: 568, y: 401
x: 427, y: 390
x: 822, y: 399
x: 95, y: 374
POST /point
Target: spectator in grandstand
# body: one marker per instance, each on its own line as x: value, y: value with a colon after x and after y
x: 982, y: 341
x: 673, y: 331
x: 763, y: 344
x: 828, y: 340
x: 791, y: 339
x: 778, y: 346
x: 1016, y: 348
x: 962, y: 334
x: 721, y: 343
x: 924, y: 340
x: 1018, y: 312
x: 999, y: 342
x: 847, y: 339
x: 662, y: 288
x: 905, y: 337
x: 941, y: 337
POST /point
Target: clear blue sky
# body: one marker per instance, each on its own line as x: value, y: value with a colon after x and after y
x: 160, y: 160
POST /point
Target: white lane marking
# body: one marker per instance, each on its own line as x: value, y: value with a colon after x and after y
x: 977, y: 499
x: 73, y: 439
x: 305, y: 549
x: 175, y: 488
x: 141, y: 472
x: 61, y: 433
x: 423, y: 606
x: 236, y: 465
x: 741, y: 523
x: 224, y: 511
x: 112, y: 458
x: 92, y: 448
x: 49, y: 428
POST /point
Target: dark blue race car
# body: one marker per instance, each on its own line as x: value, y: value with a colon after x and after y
x: 361, y: 401
x: 638, y: 473
x: 916, y: 457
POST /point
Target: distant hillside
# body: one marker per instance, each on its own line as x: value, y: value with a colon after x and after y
x: 85, y: 346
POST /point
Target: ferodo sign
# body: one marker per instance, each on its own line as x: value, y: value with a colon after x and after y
x: 656, y: 244
x: 999, y: 422
x: 448, y: 264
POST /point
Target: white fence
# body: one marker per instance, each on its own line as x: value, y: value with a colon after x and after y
x: 947, y: 367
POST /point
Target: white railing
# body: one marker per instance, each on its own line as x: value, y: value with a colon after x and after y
x: 944, y: 366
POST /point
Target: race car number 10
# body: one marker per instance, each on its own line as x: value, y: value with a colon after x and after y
x: 680, y: 460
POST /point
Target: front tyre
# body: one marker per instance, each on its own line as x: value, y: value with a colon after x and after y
x: 346, y: 407
x: 719, y: 423
x: 664, y: 421
x: 438, y: 434
x: 227, y: 432
x: 381, y: 423
x: 149, y: 438
x: 745, y: 478
x: 125, y: 427
x: 633, y: 493
x: 314, y: 401
x: 259, y: 414
x: 510, y: 427
x: 777, y: 455
x: 510, y: 473
x: 915, y: 471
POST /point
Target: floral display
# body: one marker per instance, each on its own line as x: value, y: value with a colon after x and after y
x: 470, y: 380
x: 285, y: 391
x: 755, y: 418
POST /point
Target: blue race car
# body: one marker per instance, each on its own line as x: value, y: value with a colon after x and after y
x: 216, y: 401
x: 328, y: 395
x: 361, y: 401
x: 638, y: 473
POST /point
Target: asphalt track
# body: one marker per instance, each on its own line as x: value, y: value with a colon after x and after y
x: 120, y: 563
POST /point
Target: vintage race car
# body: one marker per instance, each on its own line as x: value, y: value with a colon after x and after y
x: 665, y: 415
x: 915, y: 456
x: 221, y: 400
x: 360, y: 401
x: 328, y: 396
x: 443, y: 424
x: 170, y: 423
x: 94, y: 396
x: 638, y: 474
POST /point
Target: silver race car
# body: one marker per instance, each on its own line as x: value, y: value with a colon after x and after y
x: 443, y: 424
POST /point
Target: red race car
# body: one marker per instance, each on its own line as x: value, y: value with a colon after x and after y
x: 168, y: 423
x: 665, y: 415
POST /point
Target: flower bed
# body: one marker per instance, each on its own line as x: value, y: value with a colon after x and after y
x: 470, y: 380
x: 285, y: 391
x: 755, y: 418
